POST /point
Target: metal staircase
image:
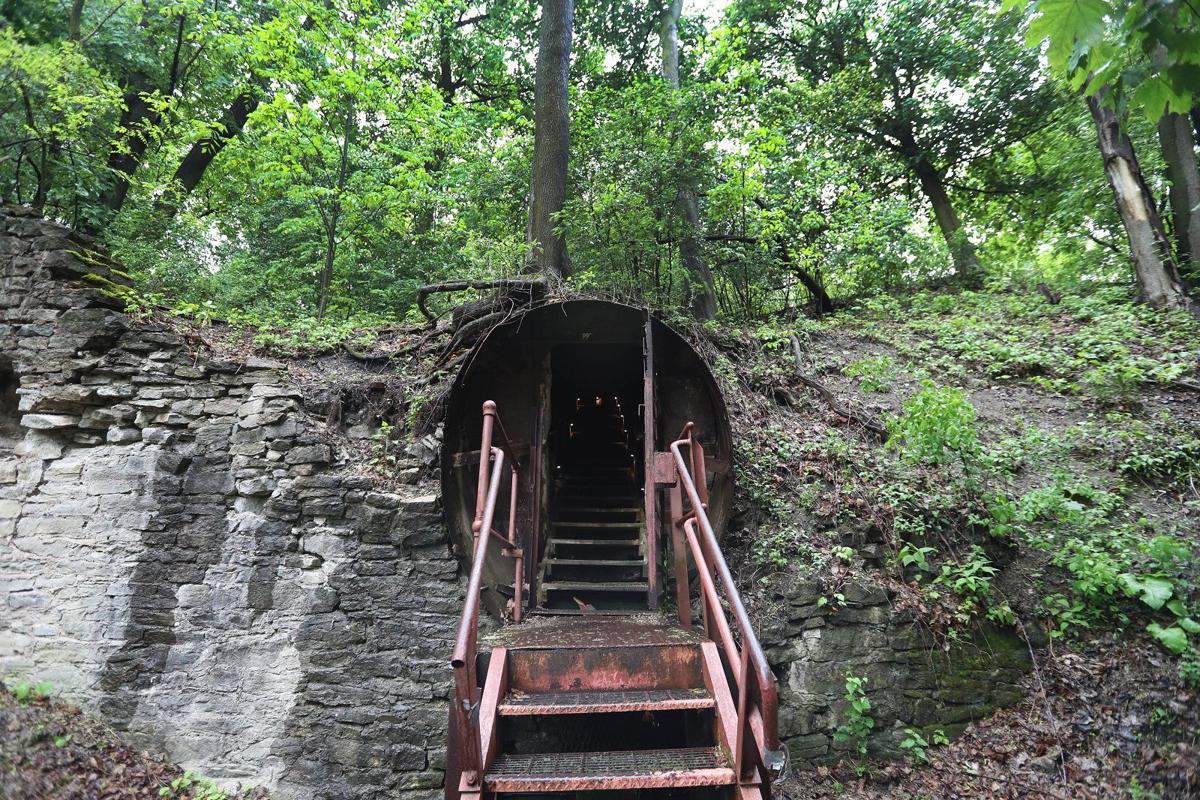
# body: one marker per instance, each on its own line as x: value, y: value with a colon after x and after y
x: 596, y: 560
x: 595, y: 690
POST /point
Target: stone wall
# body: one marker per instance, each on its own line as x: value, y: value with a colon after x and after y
x: 183, y: 550
x: 913, y: 679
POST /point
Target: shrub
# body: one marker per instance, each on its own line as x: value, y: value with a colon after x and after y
x: 937, y: 425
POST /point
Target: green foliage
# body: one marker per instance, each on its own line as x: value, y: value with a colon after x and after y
x: 874, y: 374
x: 938, y: 424
x: 27, y: 693
x: 384, y: 449
x: 1189, y: 669
x: 917, y: 746
x: 970, y: 578
x: 190, y: 786
x: 1147, y: 52
x: 859, y: 722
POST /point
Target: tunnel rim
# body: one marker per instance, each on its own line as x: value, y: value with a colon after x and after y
x: 455, y: 401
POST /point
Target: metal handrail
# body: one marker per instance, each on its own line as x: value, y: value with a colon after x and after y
x: 757, y: 692
x: 466, y: 694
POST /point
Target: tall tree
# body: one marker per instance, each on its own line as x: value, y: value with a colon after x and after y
x: 551, y: 141
x: 932, y: 84
x: 1157, y: 276
x: 1179, y: 154
x: 703, y: 294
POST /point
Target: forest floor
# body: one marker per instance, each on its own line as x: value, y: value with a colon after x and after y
x: 51, y: 750
x: 1054, y: 488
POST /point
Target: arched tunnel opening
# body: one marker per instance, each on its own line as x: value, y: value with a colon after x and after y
x: 589, y: 394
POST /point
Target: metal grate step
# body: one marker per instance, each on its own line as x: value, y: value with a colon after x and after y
x: 594, y: 586
x: 597, y: 542
x: 633, y: 769
x: 520, y: 704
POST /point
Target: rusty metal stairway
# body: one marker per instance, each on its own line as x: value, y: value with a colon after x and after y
x: 596, y: 554
x: 602, y: 697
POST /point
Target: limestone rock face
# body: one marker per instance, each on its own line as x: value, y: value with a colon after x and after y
x: 182, y: 551
x: 912, y: 679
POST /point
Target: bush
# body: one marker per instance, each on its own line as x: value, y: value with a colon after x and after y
x: 937, y: 425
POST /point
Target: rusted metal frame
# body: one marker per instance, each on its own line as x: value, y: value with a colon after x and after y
x: 485, y: 456
x: 536, y: 464
x: 683, y: 594
x: 463, y: 659
x: 516, y: 552
x: 743, y: 760
x: 711, y: 600
x: 718, y: 686
x: 648, y: 429
x: 495, y: 687
x: 767, y: 690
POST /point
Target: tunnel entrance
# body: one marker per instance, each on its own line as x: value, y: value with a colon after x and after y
x: 594, y: 558
x: 589, y: 394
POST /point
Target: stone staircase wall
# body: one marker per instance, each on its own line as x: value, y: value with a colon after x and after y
x: 183, y: 549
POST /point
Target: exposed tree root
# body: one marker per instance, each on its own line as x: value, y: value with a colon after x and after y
x: 841, y: 410
x: 505, y: 288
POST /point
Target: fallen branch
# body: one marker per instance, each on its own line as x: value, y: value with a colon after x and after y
x: 458, y: 286
x: 366, y: 358
x: 831, y: 401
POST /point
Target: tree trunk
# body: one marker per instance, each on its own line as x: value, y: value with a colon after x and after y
x: 1157, y: 277
x: 335, y: 210
x: 136, y: 121
x: 191, y: 169
x: 700, y: 279
x: 1179, y: 153
x: 74, y: 19
x: 966, y: 262
x: 551, y: 139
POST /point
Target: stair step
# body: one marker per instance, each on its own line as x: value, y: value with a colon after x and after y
x: 542, y: 611
x: 585, y: 524
x: 595, y: 586
x: 596, y: 542
x: 564, y: 497
x: 629, y: 769
x: 521, y: 704
x: 596, y: 562
x: 603, y: 509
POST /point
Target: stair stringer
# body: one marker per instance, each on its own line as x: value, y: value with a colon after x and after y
x: 726, y: 716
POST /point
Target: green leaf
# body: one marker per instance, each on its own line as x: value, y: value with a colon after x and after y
x: 1065, y: 23
x: 1152, y: 591
x: 1153, y: 96
x: 1190, y: 625
x: 1173, y: 638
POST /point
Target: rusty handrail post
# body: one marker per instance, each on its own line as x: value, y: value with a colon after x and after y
x: 485, y: 455
x: 772, y: 756
x: 743, y: 760
x: 463, y: 659
x: 683, y: 593
x: 711, y: 601
x: 517, y: 552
